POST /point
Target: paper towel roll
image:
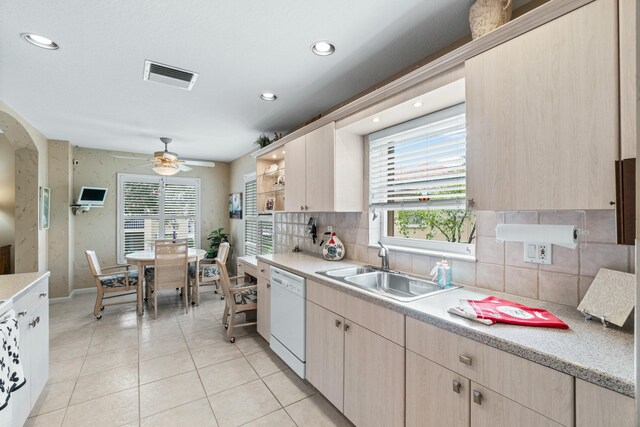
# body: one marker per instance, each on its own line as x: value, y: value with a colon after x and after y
x: 561, y: 235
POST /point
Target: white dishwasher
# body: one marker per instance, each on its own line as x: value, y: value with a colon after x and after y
x: 289, y: 318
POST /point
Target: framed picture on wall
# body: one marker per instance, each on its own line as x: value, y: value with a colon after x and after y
x: 235, y: 206
x: 45, y: 207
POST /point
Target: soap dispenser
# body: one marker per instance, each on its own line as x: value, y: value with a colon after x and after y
x: 441, y: 273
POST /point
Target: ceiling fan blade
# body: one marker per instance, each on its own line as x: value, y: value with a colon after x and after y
x: 195, y: 162
x: 127, y: 157
x: 184, y: 168
x: 141, y: 166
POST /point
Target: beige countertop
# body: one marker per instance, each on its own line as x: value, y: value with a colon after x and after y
x: 12, y: 286
x: 586, y: 350
x: 248, y: 259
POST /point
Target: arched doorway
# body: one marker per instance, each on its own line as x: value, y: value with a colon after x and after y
x: 26, y: 242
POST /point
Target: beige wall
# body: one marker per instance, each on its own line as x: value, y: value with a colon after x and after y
x: 61, y: 221
x: 238, y: 168
x: 96, y: 229
x: 7, y: 195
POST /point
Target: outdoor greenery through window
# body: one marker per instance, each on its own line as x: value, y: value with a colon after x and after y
x: 152, y: 208
x: 417, y: 179
x: 258, y: 229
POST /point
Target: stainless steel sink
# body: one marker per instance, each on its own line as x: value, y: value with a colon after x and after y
x: 349, y: 271
x: 392, y: 284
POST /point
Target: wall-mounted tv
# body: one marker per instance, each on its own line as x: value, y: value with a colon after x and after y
x: 92, y: 196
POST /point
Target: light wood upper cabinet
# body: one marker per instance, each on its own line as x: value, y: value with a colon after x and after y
x: 543, y: 116
x: 324, y: 172
x: 295, y: 187
x: 373, y: 378
x: 325, y: 353
x: 436, y: 396
x: 597, y: 406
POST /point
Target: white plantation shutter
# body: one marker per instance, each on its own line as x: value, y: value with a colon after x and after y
x: 152, y: 208
x: 420, y: 164
x: 258, y: 229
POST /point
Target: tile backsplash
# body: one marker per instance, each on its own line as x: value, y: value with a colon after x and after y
x: 499, y: 265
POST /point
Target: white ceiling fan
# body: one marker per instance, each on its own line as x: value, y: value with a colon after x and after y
x: 167, y: 162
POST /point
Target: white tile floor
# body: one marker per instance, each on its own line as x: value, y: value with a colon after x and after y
x: 177, y: 370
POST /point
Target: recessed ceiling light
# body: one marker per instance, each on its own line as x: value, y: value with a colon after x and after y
x: 323, y: 48
x: 40, y: 41
x: 417, y: 104
x: 274, y: 156
x: 376, y: 119
x: 282, y: 152
x: 268, y: 96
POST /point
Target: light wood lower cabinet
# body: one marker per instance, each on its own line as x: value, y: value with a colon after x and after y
x: 373, y: 378
x: 358, y: 371
x: 490, y: 409
x: 436, y: 396
x: 597, y: 406
x: 325, y: 353
x: 264, y: 308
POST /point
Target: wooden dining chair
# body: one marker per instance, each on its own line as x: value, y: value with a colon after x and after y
x: 170, y: 270
x: 240, y: 298
x: 209, y: 273
x: 117, y: 279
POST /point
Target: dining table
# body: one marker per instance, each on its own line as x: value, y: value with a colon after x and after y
x: 143, y: 259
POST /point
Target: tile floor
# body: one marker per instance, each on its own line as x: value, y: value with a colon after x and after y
x: 177, y: 370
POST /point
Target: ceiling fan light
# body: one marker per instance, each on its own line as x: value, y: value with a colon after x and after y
x: 166, y: 170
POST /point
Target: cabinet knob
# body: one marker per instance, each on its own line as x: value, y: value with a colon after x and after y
x: 470, y: 203
x: 465, y: 359
x: 301, y: 207
x: 43, y: 294
x: 612, y: 203
x: 338, y: 323
x: 346, y: 327
x: 456, y: 386
x: 306, y: 208
x: 268, y: 285
x: 34, y: 322
x: 477, y: 397
x: 22, y: 313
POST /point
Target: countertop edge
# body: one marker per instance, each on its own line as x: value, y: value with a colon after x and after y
x: 26, y: 287
x: 608, y: 381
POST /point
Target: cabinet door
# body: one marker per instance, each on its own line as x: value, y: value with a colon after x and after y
x: 320, y: 149
x: 21, y: 399
x: 264, y: 308
x: 39, y: 345
x: 490, y: 409
x: 295, y: 173
x: 597, y: 406
x: 373, y: 378
x: 543, y: 116
x: 325, y: 353
x: 436, y: 396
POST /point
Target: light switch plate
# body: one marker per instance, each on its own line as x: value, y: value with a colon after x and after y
x: 537, y: 253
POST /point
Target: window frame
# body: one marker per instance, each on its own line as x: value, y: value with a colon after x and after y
x: 258, y: 218
x: 123, y: 178
x: 378, y: 223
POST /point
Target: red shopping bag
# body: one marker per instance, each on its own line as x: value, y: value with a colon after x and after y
x: 498, y: 310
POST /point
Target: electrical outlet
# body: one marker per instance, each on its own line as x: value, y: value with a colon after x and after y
x: 537, y: 253
x: 330, y: 228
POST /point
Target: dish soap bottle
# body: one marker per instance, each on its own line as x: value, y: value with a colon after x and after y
x: 441, y: 273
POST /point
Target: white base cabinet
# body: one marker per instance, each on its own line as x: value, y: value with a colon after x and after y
x: 32, y: 310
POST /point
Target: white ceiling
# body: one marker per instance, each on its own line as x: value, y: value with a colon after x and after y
x: 91, y: 91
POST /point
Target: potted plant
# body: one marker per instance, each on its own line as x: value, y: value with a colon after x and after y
x: 216, y: 237
x: 263, y: 140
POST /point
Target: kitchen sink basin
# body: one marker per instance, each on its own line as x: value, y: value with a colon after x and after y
x: 399, y: 286
x: 349, y: 271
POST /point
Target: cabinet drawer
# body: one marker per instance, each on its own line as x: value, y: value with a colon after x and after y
x: 380, y: 320
x: 263, y: 270
x: 542, y: 389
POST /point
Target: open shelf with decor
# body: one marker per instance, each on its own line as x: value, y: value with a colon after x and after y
x: 270, y: 173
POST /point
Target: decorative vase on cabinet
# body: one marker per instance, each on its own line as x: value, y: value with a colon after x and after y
x: 487, y: 15
x: 333, y: 250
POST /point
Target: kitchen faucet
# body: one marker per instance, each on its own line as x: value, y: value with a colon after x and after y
x: 384, y: 254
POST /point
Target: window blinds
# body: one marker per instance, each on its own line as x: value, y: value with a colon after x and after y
x: 420, y: 164
x: 258, y: 229
x: 152, y: 208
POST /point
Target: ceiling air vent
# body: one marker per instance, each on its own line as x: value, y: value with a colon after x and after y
x: 169, y: 75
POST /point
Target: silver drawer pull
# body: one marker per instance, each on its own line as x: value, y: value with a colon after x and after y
x: 338, y: 323
x: 465, y: 359
x: 456, y: 386
x: 43, y: 294
x: 477, y: 397
x: 22, y: 313
x: 34, y: 322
